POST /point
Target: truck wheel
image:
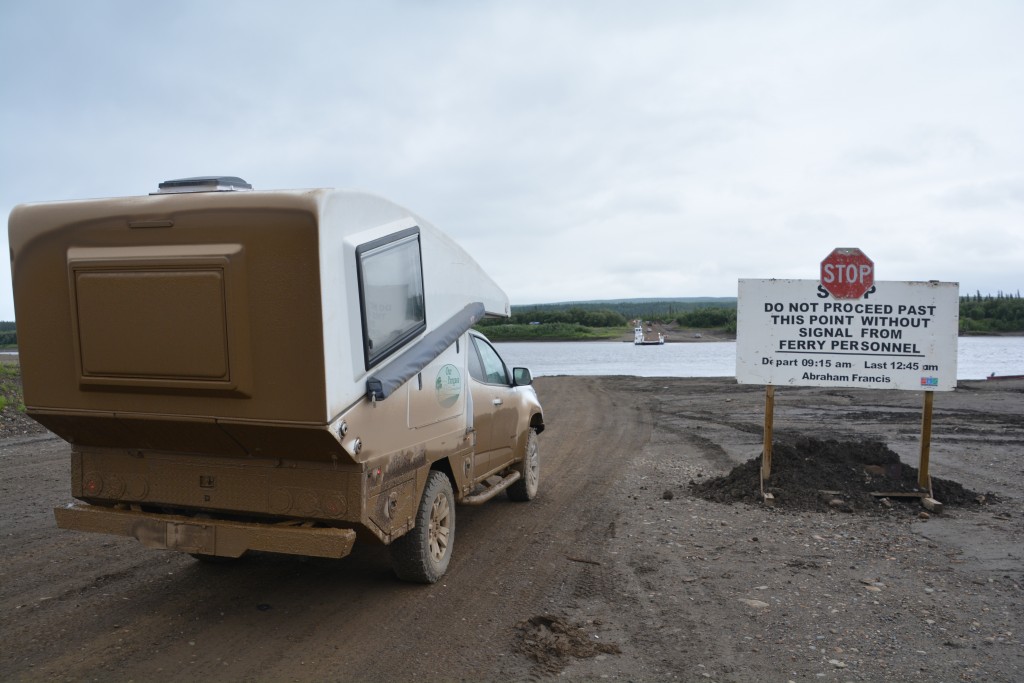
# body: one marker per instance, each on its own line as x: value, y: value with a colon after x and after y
x: 526, y: 488
x: 422, y: 555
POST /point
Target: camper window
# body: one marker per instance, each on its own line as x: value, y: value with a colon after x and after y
x: 390, y: 293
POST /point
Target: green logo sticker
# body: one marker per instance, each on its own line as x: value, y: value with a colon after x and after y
x: 448, y: 385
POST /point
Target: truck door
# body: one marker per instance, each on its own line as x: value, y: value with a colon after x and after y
x: 494, y: 415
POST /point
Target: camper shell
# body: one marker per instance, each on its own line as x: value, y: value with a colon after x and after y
x: 286, y: 371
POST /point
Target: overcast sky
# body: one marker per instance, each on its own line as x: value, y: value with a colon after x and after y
x: 578, y: 150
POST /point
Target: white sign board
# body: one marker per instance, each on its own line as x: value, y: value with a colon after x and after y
x: 901, y: 335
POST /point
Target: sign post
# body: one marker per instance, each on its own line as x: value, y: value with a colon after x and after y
x: 924, y: 481
x: 766, y: 451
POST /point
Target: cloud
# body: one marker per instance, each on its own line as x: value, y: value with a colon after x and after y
x: 579, y: 150
x: 994, y: 194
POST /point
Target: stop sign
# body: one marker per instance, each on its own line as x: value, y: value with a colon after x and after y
x: 847, y: 273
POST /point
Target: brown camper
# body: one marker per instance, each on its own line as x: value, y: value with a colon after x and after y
x: 284, y: 371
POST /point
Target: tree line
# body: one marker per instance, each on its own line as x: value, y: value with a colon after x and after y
x: 999, y: 313
x: 631, y: 309
x: 576, y: 315
x: 8, y: 333
x: 979, y: 313
x: 711, y: 318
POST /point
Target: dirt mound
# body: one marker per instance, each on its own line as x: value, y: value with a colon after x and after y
x: 815, y: 475
x: 551, y: 642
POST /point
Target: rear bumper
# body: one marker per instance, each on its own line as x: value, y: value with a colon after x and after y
x: 221, y: 538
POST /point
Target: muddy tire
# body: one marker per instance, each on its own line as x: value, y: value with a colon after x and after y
x: 526, y: 488
x: 423, y: 554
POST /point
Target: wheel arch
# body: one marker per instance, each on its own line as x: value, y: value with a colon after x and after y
x: 537, y: 422
x: 444, y: 466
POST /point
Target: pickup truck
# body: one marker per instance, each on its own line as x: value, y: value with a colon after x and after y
x: 279, y: 371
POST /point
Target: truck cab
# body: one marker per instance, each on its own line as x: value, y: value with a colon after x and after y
x: 286, y: 371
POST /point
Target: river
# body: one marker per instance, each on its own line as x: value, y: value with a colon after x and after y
x: 977, y: 357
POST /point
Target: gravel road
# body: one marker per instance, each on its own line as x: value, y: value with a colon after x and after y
x: 616, y: 571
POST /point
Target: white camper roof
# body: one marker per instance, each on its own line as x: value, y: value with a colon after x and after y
x: 451, y: 280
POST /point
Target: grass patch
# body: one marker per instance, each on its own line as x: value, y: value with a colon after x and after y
x: 10, y: 387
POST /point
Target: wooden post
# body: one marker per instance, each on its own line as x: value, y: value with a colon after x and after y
x: 766, y: 451
x: 769, y: 417
x: 923, y: 480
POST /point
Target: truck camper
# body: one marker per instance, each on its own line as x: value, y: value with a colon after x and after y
x: 279, y: 371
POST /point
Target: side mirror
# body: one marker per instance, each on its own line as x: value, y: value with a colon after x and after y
x: 521, y: 377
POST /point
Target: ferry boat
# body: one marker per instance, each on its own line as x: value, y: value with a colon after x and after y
x: 640, y: 339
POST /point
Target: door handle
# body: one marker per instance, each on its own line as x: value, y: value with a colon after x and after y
x: 497, y: 401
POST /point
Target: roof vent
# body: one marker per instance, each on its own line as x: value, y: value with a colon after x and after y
x: 209, y: 183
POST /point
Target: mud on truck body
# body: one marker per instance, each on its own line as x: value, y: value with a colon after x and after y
x: 281, y: 371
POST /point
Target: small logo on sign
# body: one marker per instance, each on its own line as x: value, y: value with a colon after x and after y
x: 929, y: 381
x: 448, y: 385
